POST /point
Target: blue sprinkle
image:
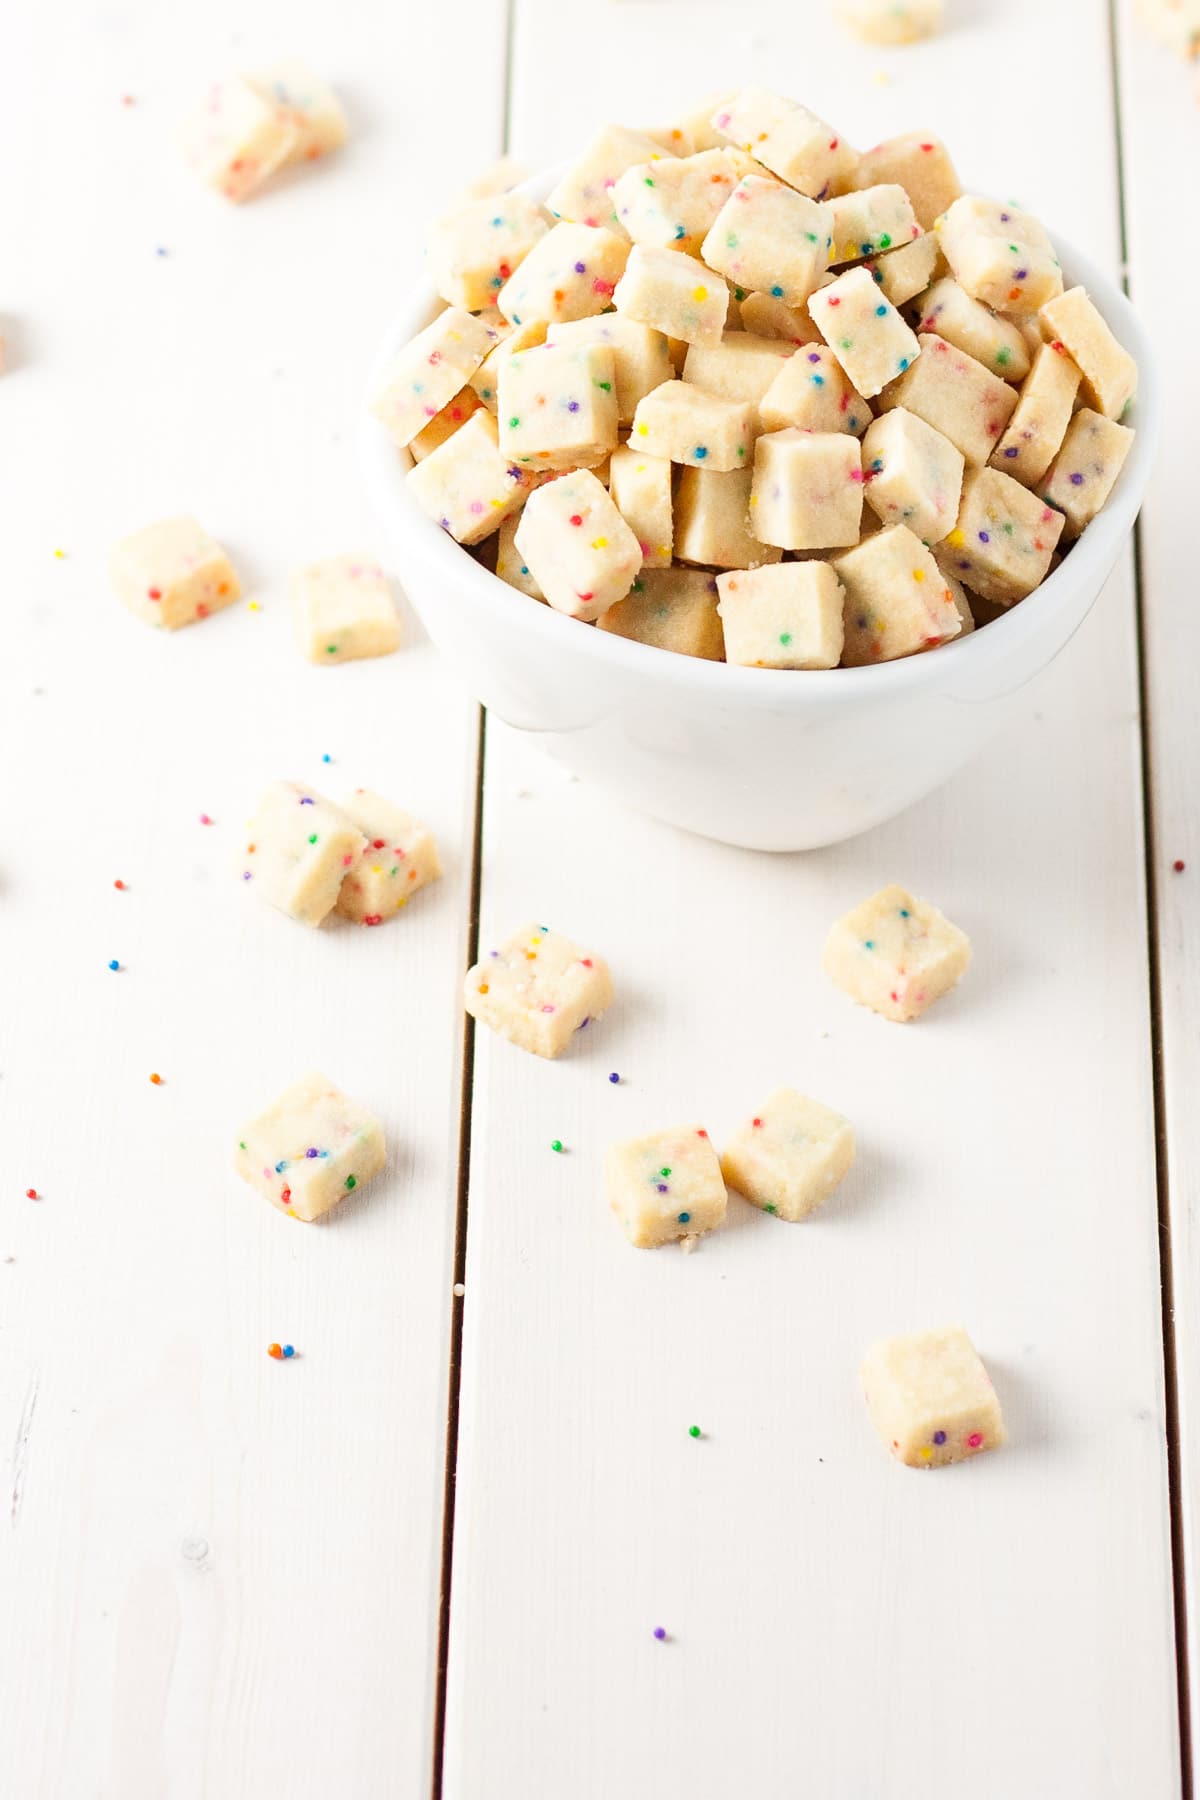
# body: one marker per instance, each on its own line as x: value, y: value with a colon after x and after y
x: 114, y: 964
x: 777, y: 292
x: 881, y: 312
x: 289, y: 1350
x: 614, y: 1078
x: 700, y: 452
x: 684, y: 1218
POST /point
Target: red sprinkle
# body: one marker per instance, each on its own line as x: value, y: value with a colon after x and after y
x: 377, y: 843
x: 756, y: 1122
x: 286, y: 1196
x: 31, y: 1193
x: 154, y: 593
x: 120, y: 885
x: 373, y: 919
x: 1179, y: 866
x: 575, y: 519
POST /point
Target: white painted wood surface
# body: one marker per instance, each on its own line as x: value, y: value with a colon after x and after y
x: 220, y: 1577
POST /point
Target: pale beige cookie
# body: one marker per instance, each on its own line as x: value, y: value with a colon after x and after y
x: 897, y: 603
x: 672, y: 609
x: 930, y: 1398
x: 398, y: 859
x: 896, y: 954
x: 1084, y: 472
x: 172, y: 573
x: 310, y: 1149
x: 298, y: 849
x: 537, y: 989
x: 342, y: 609
x: 787, y: 616
x: 790, y: 1156
x: 665, y: 1187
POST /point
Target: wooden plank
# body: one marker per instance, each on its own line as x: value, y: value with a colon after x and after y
x: 836, y: 1624
x: 218, y: 1575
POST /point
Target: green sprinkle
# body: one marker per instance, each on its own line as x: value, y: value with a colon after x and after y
x: 785, y: 637
x: 351, y: 1181
x: 868, y: 943
x: 313, y: 838
x: 885, y: 241
x: 1003, y: 356
x: 331, y: 649
x: 664, y: 1173
x: 693, y: 1431
x: 648, y: 181
x: 771, y: 1209
x: 513, y: 423
x: 557, y: 1145
x: 606, y: 385
x: 241, y: 1146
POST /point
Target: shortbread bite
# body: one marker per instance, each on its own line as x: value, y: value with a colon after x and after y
x: 769, y: 238
x: 712, y: 520
x: 238, y: 138
x: 891, y: 21
x: 172, y: 573
x: 896, y: 954
x: 689, y: 425
x: 1003, y: 539
x: 869, y: 221
x: 1109, y: 372
x: 741, y: 367
x: 1175, y: 23
x: 558, y: 406
x: 671, y: 203
x: 640, y: 355
x: 864, y: 331
x: 665, y: 1186
x: 640, y: 487
x: 445, y: 423
x: 571, y: 273
x: 1039, y: 422
x: 297, y: 851
x: 474, y: 250
x: 897, y: 603
x: 930, y: 1398
x: 789, y: 140
x: 511, y: 565
x: 812, y: 392
x: 342, y: 609
x: 308, y: 103
x: 771, y: 318
x: 949, y: 310
x: 429, y: 371
x: 790, y: 1156
x: 807, y: 490
x: 999, y: 254
x: 788, y: 616
x: 673, y: 609
x: 398, y: 859
x: 466, y: 485
x: 914, y: 475
x: 586, y: 192
x: 902, y: 274
x: 956, y: 395
x: 310, y: 1149
x: 1084, y: 472
x: 538, y: 989
x: 582, y: 553
x: 485, y: 382
x: 919, y: 163
x: 673, y: 293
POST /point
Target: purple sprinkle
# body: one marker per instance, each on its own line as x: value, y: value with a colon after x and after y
x: 310, y: 1152
x: 1077, y: 480
x: 659, y: 1633
x: 939, y: 1437
x: 445, y: 524
x: 513, y: 473
x: 984, y: 537
x: 614, y: 1078
x: 1021, y: 274
x: 1011, y: 452
x: 246, y: 875
x: 964, y: 562
x: 1005, y: 217
x: 662, y: 1187
x: 572, y: 406
x: 586, y: 1021
x: 579, y: 268
x: 307, y: 801
x: 814, y: 356
x: 493, y: 953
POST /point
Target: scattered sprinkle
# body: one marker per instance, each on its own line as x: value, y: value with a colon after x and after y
x: 204, y: 819
x: 615, y: 1078
x: 32, y: 1194
x: 693, y: 1431
x: 288, y: 1350
x: 459, y: 1290
x: 114, y: 965
x: 660, y: 1634
x: 60, y: 555
x: 1179, y: 865
x: 327, y: 757
x: 275, y: 1350
x: 161, y: 250
x: 120, y: 886
x: 557, y: 1146
x: 254, y: 606
x: 157, y: 1080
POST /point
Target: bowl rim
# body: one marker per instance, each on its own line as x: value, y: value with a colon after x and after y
x: 1089, y: 563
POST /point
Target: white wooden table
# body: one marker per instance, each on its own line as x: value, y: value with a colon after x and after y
x: 222, y: 1577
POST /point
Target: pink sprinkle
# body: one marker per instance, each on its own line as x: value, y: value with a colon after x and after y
x: 975, y: 1439
x: 477, y: 506
x: 204, y: 819
x: 547, y: 1009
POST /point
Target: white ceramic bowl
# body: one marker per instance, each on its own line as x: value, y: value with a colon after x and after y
x: 767, y: 758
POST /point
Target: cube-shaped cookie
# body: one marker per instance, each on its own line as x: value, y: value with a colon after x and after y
x: 398, y: 859
x: 1084, y: 472
x: 665, y: 1186
x: 309, y: 105
x: 673, y: 609
x: 913, y: 474
x: 808, y: 489
x: 237, y: 138
x: 172, y: 574
x: 297, y: 851
x: 999, y: 254
x: 902, y: 274
x: 569, y: 274
x: 891, y: 21
x: 310, y: 1148
x: 582, y: 553
x: 956, y: 395
x: 511, y: 565
x: 641, y: 358
x: 1003, y: 539
x: 1041, y: 416
x: 558, y: 406
x: 897, y: 603
x: 538, y: 989
x: 869, y: 221
x: 741, y: 367
x: 950, y: 311
x: 920, y: 164
x: 771, y: 239
x: 429, y: 371
x: 864, y: 330
x: 789, y: 140
x: 790, y: 1156
x: 674, y: 293
x: 896, y: 954
x: 467, y: 486
x: 813, y: 393
x: 342, y: 609
x: 485, y: 382
x: 930, y: 1398
x: 712, y: 520
x: 690, y: 425
x: 474, y: 250
x: 640, y: 487
x: 445, y: 423
x: 671, y: 203
x: 1109, y: 372
x: 788, y: 616
x: 586, y: 192
x: 767, y: 317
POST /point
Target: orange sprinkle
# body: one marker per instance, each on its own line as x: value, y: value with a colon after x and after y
x: 157, y: 1080
x: 275, y: 1350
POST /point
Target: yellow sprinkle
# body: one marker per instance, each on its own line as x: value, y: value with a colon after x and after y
x: 643, y: 431
x: 700, y: 293
x: 599, y: 543
x: 881, y: 78
x: 254, y: 606
x: 60, y: 554
x: 377, y: 870
x: 918, y: 574
x: 925, y: 1454
x: 956, y: 539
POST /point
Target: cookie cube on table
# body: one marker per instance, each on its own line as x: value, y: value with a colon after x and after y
x: 864, y: 330
x: 445, y: 423
x: 640, y: 487
x: 741, y: 367
x: 949, y: 310
x: 808, y: 489
x: 956, y: 395
x: 712, y: 520
x: 310, y: 1148
x: 558, y: 406
x: 930, y: 1398
x: 1084, y: 472
x: 485, y: 382
x: 429, y: 371
x: 237, y: 138
x: 511, y: 565
x: 1003, y: 538
x: 309, y: 105
x: 474, y: 250
x: 896, y: 954
x: 771, y: 239
x: 790, y: 1156
x: 764, y: 316
x: 173, y: 573
x: 999, y: 254
x: 1041, y: 417
x: 788, y: 616
x: 869, y: 221
x: 914, y: 475
x: 467, y: 486
x: 1109, y: 372
x: 298, y: 849
x: 902, y: 274
x: 569, y: 274
x: 398, y: 859
x: 897, y: 603
x: 789, y: 140
x: 689, y: 425
x: 813, y: 393
x: 673, y: 609
x: 581, y: 552
x: 920, y: 163
x: 641, y: 358
x: 538, y: 989
x: 671, y: 203
x: 673, y: 293
x: 891, y: 21
x: 665, y: 1187
x: 586, y: 192
x: 343, y: 609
